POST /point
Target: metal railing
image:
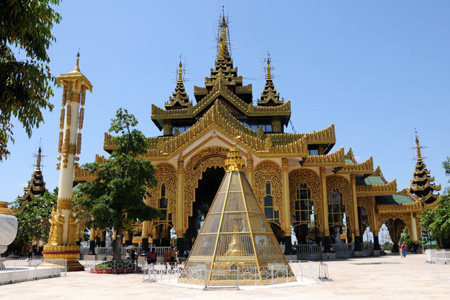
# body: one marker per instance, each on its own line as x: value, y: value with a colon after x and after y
x: 318, y: 270
x: 367, y: 246
x: 343, y: 246
x: 309, y: 248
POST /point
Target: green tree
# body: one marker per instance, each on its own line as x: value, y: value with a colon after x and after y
x: 437, y: 219
x: 34, y: 218
x: 116, y: 196
x: 25, y: 85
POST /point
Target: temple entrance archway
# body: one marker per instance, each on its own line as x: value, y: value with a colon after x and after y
x: 204, y: 196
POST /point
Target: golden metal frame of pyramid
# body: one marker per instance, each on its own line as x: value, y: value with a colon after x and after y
x: 236, y: 242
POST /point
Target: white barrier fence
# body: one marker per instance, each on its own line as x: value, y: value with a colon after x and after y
x: 167, y: 274
x: 23, y: 269
x: 437, y: 255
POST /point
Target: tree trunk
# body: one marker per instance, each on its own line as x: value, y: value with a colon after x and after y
x: 118, y: 247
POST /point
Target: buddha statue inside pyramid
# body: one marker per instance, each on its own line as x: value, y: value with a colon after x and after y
x: 236, y: 241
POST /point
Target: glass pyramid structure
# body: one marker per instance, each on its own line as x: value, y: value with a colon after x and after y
x: 236, y: 243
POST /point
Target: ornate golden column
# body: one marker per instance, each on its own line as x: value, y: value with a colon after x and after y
x: 179, y: 224
x: 414, y: 234
x: 62, y: 238
x: 286, y: 225
x: 326, y: 226
x: 250, y: 168
x: 358, y: 239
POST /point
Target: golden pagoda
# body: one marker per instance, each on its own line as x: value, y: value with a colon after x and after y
x: 300, y: 181
x: 236, y: 242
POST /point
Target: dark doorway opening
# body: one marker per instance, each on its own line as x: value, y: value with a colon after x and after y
x: 204, y: 196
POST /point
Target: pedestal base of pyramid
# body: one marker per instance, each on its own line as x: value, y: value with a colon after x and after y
x: 71, y: 253
x: 225, y: 274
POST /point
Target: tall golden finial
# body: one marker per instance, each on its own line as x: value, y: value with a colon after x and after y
x: 269, y: 76
x: 180, y: 72
x: 419, y: 155
x: 38, y: 162
x: 223, y: 36
x: 77, y: 66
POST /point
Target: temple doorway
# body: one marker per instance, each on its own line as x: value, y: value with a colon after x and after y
x: 204, y: 196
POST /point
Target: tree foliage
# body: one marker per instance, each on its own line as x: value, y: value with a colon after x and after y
x: 34, y: 217
x: 116, y: 196
x: 437, y: 219
x: 25, y: 85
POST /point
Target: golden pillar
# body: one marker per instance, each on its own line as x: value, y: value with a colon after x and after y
x: 286, y: 225
x: 250, y: 169
x: 326, y: 226
x: 179, y: 221
x: 414, y: 234
x: 63, y: 235
x: 358, y: 238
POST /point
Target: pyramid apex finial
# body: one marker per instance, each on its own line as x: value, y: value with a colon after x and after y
x: 269, y: 75
x: 234, y: 161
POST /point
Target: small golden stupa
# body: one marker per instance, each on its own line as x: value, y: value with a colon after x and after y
x: 236, y: 241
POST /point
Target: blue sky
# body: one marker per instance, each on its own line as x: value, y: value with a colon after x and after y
x: 375, y: 69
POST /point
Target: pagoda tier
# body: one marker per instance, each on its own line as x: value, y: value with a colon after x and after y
x: 36, y: 186
x: 223, y: 85
x: 269, y: 96
x: 422, y: 185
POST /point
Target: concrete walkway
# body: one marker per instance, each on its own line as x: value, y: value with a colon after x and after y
x: 387, y: 277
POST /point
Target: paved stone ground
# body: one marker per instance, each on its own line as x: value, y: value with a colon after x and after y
x: 387, y: 277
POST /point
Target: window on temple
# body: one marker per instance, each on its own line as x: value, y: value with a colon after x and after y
x: 162, y: 205
x: 337, y: 219
x: 265, y: 127
x: 181, y: 129
x: 272, y: 215
x: 304, y: 207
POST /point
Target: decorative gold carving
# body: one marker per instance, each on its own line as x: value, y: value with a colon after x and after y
x: 335, y: 159
x: 81, y: 119
x: 64, y: 97
x: 79, y: 143
x: 69, y: 116
x: 362, y: 168
x: 269, y: 171
x: 64, y: 203
x: 72, y: 238
x: 65, y: 147
x: 71, y: 149
x: 336, y: 182
x: 56, y: 228
x: 377, y: 189
x: 213, y: 157
x: 405, y: 217
x: 60, y: 143
x: 312, y: 181
x: 83, y: 97
x: 165, y: 174
x: 75, y: 97
x: 368, y: 204
x: 61, y: 119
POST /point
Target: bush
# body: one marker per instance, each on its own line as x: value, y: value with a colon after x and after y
x: 115, y: 265
x: 387, y: 246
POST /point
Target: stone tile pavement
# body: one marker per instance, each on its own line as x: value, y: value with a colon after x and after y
x: 387, y: 277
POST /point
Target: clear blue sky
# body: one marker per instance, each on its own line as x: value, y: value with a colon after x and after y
x: 376, y: 69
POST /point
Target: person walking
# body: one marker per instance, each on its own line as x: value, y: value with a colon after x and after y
x: 153, y: 256
x: 403, y: 249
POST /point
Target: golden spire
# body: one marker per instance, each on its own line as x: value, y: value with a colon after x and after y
x: 234, y: 161
x: 77, y: 66
x: 419, y: 155
x: 38, y: 163
x: 180, y: 72
x: 223, y: 47
x: 269, y: 76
